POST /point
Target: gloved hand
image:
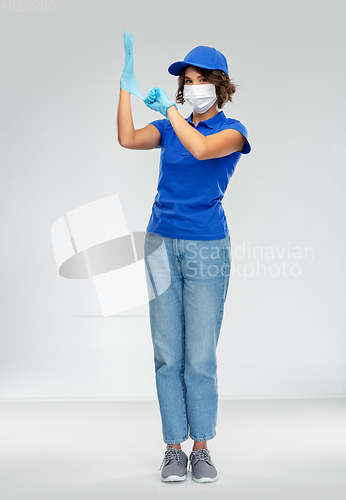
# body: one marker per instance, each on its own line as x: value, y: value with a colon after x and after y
x: 128, y: 80
x: 158, y: 101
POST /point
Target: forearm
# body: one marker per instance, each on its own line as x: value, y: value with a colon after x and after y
x: 193, y: 140
x: 126, y: 131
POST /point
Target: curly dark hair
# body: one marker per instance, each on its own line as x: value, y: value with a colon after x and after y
x: 224, y: 86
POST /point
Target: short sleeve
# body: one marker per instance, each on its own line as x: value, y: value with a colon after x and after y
x: 237, y: 125
x: 160, y: 125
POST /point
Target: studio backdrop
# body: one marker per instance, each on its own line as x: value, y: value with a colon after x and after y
x: 75, y: 204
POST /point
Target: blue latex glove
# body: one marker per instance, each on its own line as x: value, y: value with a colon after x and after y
x: 158, y: 100
x: 128, y: 80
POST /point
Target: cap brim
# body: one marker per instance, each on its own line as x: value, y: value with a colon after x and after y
x: 176, y: 68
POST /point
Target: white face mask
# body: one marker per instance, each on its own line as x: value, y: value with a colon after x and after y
x: 201, y: 97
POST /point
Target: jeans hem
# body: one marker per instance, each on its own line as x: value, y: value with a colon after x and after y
x: 176, y: 441
x: 207, y: 438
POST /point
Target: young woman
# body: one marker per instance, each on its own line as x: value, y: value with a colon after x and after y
x: 187, y: 246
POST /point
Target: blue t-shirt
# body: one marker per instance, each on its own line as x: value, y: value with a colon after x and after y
x: 188, y: 203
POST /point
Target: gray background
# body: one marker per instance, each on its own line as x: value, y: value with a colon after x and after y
x: 281, y: 335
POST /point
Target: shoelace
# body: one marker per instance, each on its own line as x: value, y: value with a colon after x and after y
x: 170, y: 454
x: 201, y: 454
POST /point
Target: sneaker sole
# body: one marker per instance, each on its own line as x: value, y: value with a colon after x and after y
x: 173, y: 478
x: 205, y: 479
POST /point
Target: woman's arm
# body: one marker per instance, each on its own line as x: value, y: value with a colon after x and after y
x: 203, y: 148
x: 143, y: 138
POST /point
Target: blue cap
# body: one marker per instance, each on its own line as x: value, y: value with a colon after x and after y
x: 202, y: 57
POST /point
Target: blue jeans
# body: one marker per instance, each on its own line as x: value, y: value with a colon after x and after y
x: 187, y: 283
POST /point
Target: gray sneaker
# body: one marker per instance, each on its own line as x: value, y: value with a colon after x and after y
x: 175, y: 465
x: 203, y: 469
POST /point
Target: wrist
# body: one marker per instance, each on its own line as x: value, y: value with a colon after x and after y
x: 170, y: 109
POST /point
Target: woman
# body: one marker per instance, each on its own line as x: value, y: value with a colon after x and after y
x: 190, y: 278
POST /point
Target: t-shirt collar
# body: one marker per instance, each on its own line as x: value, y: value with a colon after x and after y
x: 211, y: 122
